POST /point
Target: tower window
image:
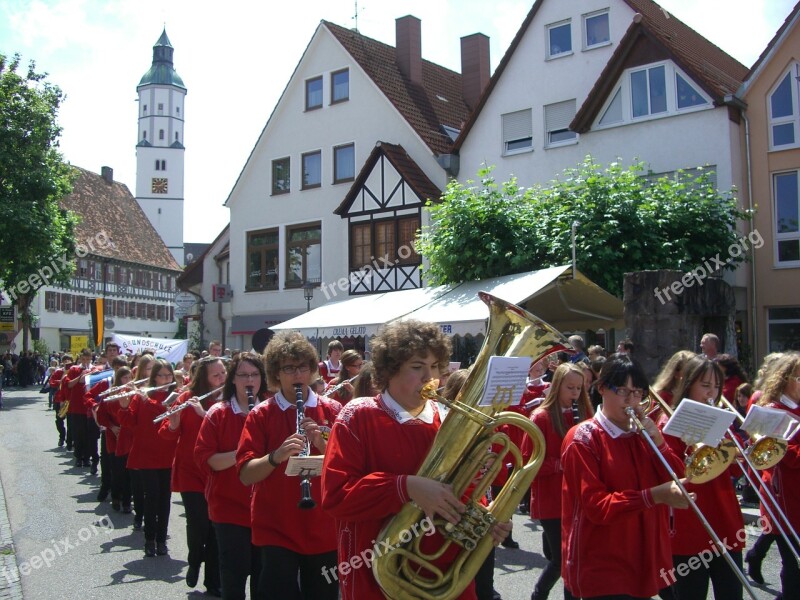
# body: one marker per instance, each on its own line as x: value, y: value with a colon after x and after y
x: 178, y: 110
x: 144, y: 135
x: 144, y: 109
x: 160, y: 108
x: 158, y: 165
x: 161, y: 134
x: 176, y: 136
x: 163, y: 165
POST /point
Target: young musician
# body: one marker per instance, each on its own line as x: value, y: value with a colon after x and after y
x: 56, y: 379
x: 702, y: 382
x: 376, y: 446
x: 152, y: 455
x: 229, y: 500
x: 293, y: 542
x: 614, y: 531
x: 330, y: 367
x: 566, y: 404
x: 108, y: 441
x: 108, y: 417
x: 187, y: 478
x: 142, y: 370
x: 78, y: 422
x: 782, y: 391
x: 350, y: 364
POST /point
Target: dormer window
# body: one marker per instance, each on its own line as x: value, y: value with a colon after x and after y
x: 648, y: 92
x: 783, y: 113
x: 559, y: 39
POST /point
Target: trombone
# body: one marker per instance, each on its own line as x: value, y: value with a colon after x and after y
x: 714, y: 537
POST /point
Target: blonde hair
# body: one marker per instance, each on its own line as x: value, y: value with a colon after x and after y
x: 669, y: 377
x: 552, y: 405
x: 778, y: 376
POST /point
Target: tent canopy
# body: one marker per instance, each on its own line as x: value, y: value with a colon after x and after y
x: 552, y: 294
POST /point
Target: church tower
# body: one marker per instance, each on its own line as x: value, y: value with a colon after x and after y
x: 160, y: 150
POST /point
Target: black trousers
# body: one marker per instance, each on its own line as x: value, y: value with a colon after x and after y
x: 137, y: 490
x: 92, y: 437
x: 279, y: 575
x: 551, y: 533
x: 157, y: 501
x: 200, y: 537
x: 120, y: 480
x: 761, y: 546
x: 77, y: 428
x: 790, y: 572
x: 694, y: 585
x: 484, y: 578
x: 60, y: 427
x: 106, y: 471
x: 238, y: 560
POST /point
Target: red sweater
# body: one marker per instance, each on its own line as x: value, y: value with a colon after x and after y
x: 228, y: 499
x: 367, y: 461
x: 784, y: 479
x: 108, y: 416
x: 186, y: 475
x: 55, y: 382
x: 149, y: 450
x: 91, y: 400
x: 302, y: 531
x: 716, y: 499
x: 614, y: 539
x: 75, y: 394
x: 546, y: 488
x: 327, y: 372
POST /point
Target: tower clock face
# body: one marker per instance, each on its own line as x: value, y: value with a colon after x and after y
x: 159, y: 185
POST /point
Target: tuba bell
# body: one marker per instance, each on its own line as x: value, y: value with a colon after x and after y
x: 458, y: 457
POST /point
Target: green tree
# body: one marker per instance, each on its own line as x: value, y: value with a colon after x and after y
x: 34, y: 230
x: 625, y: 222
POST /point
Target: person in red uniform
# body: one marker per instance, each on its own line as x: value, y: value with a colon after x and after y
x: 187, y: 478
x: 228, y: 499
x: 376, y: 446
x: 58, y: 397
x: 330, y: 367
x: 702, y: 382
x: 118, y: 444
x: 292, y: 541
x: 142, y: 370
x: 566, y: 404
x: 152, y: 455
x: 782, y: 391
x: 77, y: 421
x: 615, y: 493
x: 107, y: 438
x: 351, y: 363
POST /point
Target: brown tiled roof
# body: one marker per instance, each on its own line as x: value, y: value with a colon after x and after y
x: 438, y: 101
x: 773, y: 41
x: 716, y: 71
x: 406, y: 167
x: 113, y: 209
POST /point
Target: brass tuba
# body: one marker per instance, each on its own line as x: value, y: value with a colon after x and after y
x: 459, y: 453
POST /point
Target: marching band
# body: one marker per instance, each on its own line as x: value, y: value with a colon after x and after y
x: 623, y: 511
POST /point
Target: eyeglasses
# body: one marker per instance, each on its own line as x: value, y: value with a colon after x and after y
x: 795, y: 377
x: 292, y: 369
x: 254, y: 375
x: 625, y: 392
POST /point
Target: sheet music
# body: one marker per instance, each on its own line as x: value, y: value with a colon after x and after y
x: 505, y: 380
x: 695, y: 422
x: 305, y: 466
x: 772, y: 422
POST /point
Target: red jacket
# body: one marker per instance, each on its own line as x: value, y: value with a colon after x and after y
x: 228, y: 498
x: 76, y: 393
x: 614, y: 539
x: 546, y: 487
x: 108, y: 416
x: 149, y: 450
x: 302, y: 531
x: 55, y: 382
x: 784, y: 479
x: 368, y: 459
x: 186, y: 475
x: 327, y: 372
x: 92, y: 400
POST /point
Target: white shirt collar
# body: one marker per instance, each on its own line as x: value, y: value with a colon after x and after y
x: 402, y: 415
x: 785, y: 400
x: 236, y: 409
x: 609, y: 427
x: 284, y: 404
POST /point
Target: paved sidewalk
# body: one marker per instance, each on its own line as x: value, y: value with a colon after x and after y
x: 10, y: 586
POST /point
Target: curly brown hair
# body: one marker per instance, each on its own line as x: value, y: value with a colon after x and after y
x: 400, y: 341
x: 777, y: 377
x: 288, y: 345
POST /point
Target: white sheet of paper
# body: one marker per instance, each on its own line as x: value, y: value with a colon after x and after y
x: 453, y: 367
x: 695, y: 422
x: 772, y: 422
x: 505, y: 380
x: 305, y: 466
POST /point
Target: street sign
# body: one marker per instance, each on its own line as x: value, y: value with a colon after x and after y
x: 181, y: 311
x: 7, y: 318
x: 185, y: 300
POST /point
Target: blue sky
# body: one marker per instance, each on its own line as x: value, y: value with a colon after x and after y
x: 236, y: 57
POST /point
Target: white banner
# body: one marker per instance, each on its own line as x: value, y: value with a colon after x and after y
x: 171, y: 350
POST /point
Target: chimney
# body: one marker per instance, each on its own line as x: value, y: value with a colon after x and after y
x: 408, y: 47
x: 107, y: 173
x: 474, y: 67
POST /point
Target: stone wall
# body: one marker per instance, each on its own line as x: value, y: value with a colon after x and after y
x: 663, y: 315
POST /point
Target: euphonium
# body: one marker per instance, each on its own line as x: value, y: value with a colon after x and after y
x: 459, y: 451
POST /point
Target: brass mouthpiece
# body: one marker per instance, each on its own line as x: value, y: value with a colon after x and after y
x: 429, y: 391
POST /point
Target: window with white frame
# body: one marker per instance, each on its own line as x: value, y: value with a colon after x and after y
x: 517, y: 132
x: 559, y: 39
x: 783, y: 112
x: 787, y: 214
x: 557, y: 118
x: 596, y: 30
x: 653, y: 91
x: 783, y: 329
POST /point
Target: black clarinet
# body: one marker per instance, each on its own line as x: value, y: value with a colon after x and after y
x: 306, y: 501
x: 250, y: 400
x: 576, y: 416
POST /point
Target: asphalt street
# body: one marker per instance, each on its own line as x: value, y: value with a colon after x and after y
x: 68, y: 546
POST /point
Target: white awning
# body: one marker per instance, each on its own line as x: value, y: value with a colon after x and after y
x: 552, y: 294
